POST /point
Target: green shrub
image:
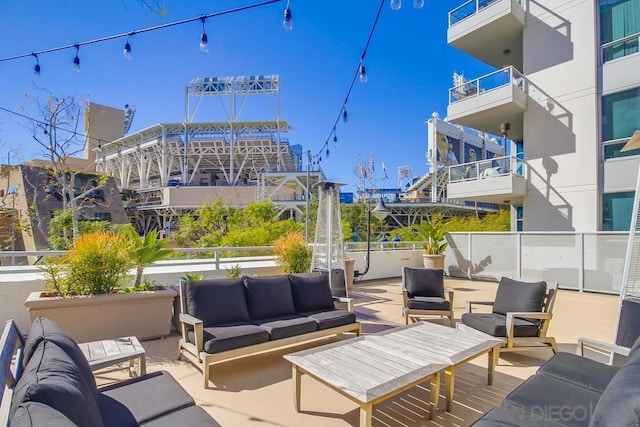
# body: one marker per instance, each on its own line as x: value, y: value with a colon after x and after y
x: 292, y: 253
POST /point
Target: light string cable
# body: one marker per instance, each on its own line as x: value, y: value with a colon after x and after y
x: 143, y: 30
x: 356, y: 75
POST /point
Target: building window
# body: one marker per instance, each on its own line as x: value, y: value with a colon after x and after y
x: 620, y: 118
x: 616, y: 211
x: 519, y: 218
x: 619, y: 28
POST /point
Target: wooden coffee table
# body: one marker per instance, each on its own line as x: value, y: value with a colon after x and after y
x: 375, y: 367
x: 106, y: 353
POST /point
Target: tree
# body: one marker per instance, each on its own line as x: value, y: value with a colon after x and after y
x: 146, y: 251
x: 55, y: 128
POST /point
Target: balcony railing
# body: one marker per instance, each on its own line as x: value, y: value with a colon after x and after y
x: 484, y: 169
x: 497, y: 79
x: 470, y: 8
x: 620, y: 48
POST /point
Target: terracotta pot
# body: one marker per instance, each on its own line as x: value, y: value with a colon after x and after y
x: 433, y: 261
x: 145, y: 314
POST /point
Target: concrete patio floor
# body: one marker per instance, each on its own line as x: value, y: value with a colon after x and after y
x: 258, y: 390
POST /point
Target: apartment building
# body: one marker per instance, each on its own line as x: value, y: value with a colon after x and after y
x: 566, y: 94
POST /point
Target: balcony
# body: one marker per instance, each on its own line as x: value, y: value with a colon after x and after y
x: 499, y: 180
x: 485, y: 102
x: 490, y: 30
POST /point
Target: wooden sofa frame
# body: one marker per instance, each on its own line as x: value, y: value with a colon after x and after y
x: 194, y: 352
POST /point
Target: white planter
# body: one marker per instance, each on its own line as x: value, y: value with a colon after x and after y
x: 433, y: 261
x: 145, y: 314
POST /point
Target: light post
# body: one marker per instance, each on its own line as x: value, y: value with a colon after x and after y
x: 380, y: 211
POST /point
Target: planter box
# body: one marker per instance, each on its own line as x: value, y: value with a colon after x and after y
x: 145, y: 315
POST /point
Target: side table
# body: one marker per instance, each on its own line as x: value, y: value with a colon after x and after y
x: 105, y: 353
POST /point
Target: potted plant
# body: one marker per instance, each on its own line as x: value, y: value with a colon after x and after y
x: 292, y: 253
x: 88, y: 291
x: 432, y: 234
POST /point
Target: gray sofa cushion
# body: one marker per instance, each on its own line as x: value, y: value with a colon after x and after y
x: 288, y: 327
x: 556, y: 400
x: 141, y: 399
x: 496, y: 325
x: 328, y: 319
x: 517, y: 296
x: 193, y: 416
x: 620, y: 403
x: 311, y: 291
x: 52, y: 377
x: 428, y: 303
x: 43, y: 329
x: 269, y: 296
x: 217, y: 301
x: 579, y: 370
x: 36, y: 414
x: 227, y: 337
x: 424, y: 282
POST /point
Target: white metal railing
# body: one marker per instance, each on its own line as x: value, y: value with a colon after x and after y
x: 607, y: 49
x: 488, y: 82
x: 488, y: 168
x: 468, y: 9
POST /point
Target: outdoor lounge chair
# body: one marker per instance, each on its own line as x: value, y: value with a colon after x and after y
x: 423, y: 294
x: 521, y: 314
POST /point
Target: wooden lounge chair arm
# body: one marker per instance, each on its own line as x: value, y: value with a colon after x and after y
x: 344, y: 301
x: 600, y: 346
x: 469, y: 303
x: 198, y: 325
x: 450, y: 292
x: 530, y: 315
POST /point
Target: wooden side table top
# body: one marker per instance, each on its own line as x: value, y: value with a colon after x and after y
x: 105, y: 353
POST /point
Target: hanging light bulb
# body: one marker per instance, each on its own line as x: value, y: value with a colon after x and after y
x: 76, y: 60
x: 335, y: 138
x: 345, y: 116
x: 396, y: 4
x: 287, y: 20
x: 418, y: 4
x: 363, y: 74
x: 327, y: 152
x: 36, y: 68
x: 127, y: 50
x: 204, y: 40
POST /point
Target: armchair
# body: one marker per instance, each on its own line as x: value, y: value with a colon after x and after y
x: 423, y: 294
x: 521, y: 313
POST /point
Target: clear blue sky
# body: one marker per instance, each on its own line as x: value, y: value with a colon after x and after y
x: 409, y: 66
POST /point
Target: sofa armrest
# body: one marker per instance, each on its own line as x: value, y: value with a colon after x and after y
x: 601, y: 347
x: 344, y: 302
x: 198, y: 325
x: 470, y: 303
x: 523, y: 315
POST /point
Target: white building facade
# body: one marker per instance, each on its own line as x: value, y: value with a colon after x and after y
x: 566, y: 92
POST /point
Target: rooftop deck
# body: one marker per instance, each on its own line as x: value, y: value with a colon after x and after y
x: 258, y: 390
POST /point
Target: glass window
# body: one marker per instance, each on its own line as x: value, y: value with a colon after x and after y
x: 620, y: 114
x: 519, y: 218
x: 613, y: 150
x: 616, y: 211
x: 618, y: 20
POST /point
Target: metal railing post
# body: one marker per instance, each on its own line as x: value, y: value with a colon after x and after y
x: 519, y: 254
x: 217, y: 258
x: 470, y: 258
x: 581, y: 269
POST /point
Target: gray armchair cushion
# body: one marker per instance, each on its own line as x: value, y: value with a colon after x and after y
x: 517, y: 296
x: 579, y: 370
x: 311, y: 292
x: 288, y: 327
x: 269, y: 296
x: 328, y: 319
x: 52, y: 377
x: 496, y: 325
x: 424, y: 282
x: 193, y: 416
x: 217, y: 301
x: 620, y: 403
x: 227, y: 337
x: 141, y: 399
x: 36, y: 414
x: 428, y: 303
x: 43, y: 329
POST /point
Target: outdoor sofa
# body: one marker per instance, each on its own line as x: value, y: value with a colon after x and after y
x: 50, y: 383
x: 223, y: 319
x: 571, y: 390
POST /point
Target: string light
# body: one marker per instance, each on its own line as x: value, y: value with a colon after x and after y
x: 126, y: 52
x: 363, y: 74
x: 345, y: 116
x: 204, y: 40
x: 36, y: 68
x: 76, y: 59
x: 335, y: 138
x: 287, y: 21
